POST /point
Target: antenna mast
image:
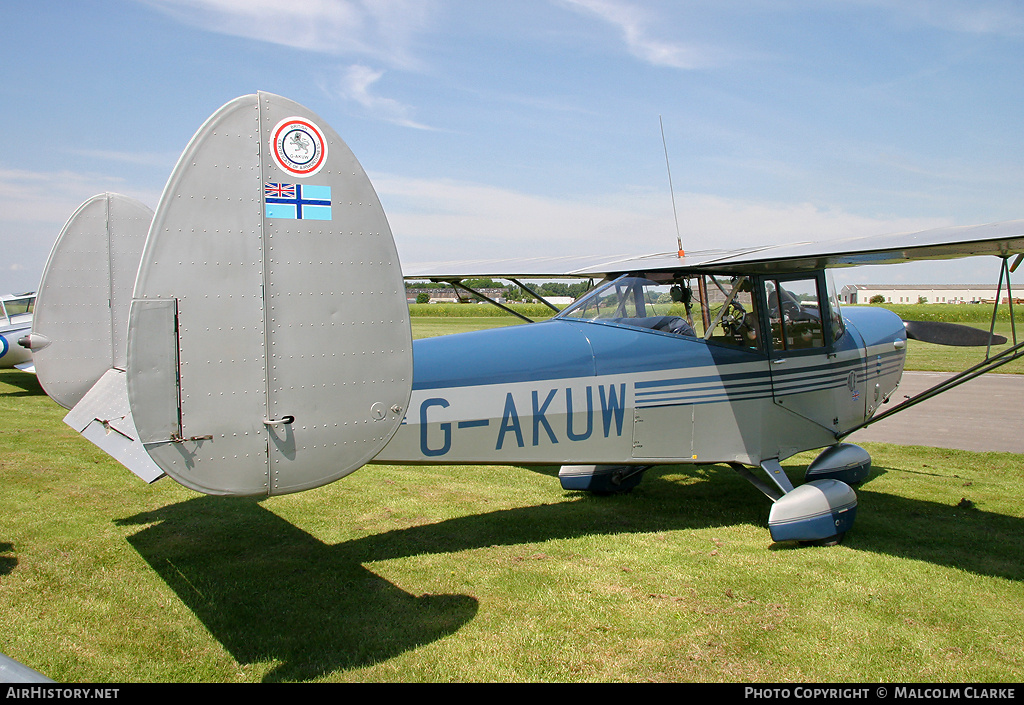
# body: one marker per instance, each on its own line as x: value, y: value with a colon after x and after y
x: 679, y: 239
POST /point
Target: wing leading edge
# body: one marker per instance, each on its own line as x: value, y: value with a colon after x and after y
x: 1000, y: 239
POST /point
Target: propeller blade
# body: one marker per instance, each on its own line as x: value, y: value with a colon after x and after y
x: 949, y: 334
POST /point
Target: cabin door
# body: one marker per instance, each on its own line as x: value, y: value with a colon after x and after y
x: 817, y: 368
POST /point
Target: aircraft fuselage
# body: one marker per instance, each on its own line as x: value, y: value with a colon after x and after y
x: 571, y: 391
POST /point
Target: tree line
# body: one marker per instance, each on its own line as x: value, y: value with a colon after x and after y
x: 511, y: 291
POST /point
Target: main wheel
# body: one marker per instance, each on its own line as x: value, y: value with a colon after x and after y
x: 830, y: 541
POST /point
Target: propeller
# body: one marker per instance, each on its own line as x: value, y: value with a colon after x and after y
x: 950, y: 334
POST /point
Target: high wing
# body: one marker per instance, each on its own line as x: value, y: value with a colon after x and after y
x: 1000, y: 239
x: 583, y: 266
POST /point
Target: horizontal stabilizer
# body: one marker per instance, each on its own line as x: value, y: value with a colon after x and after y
x: 103, y: 417
x: 950, y: 334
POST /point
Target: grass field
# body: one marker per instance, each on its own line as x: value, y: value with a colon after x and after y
x: 485, y: 573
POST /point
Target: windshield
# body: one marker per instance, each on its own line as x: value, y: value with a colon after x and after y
x: 641, y: 302
x: 11, y: 307
x: 629, y: 297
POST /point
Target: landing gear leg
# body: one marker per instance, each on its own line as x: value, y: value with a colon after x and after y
x: 817, y: 513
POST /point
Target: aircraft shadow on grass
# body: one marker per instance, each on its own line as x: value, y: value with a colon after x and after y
x: 7, y: 563
x: 27, y: 383
x: 268, y: 590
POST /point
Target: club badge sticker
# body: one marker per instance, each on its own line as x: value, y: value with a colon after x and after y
x: 298, y: 146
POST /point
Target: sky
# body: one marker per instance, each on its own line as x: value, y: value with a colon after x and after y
x: 505, y: 129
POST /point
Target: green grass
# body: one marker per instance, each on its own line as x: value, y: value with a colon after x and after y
x: 428, y: 327
x: 944, y: 358
x: 473, y: 573
x: 975, y: 314
x: 485, y: 573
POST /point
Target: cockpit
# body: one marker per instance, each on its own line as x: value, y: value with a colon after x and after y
x: 14, y: 308
x: 718, y: 309
x: 753, y: 312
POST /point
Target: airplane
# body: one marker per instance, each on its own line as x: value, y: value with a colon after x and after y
x: 269, y: 351
x: 15, y: 322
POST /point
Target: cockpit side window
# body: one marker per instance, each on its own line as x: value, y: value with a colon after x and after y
x: 794, y: 313
x: 730, y: 311
x: 11, y: 307
x: 835, y: 313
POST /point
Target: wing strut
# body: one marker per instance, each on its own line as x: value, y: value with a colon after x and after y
x: 725, y: 306
x: 535, y: 295
x: 457, y: 283
x: 1003, y: 271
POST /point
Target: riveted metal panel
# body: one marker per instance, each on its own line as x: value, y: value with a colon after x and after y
x: 104, y: 418
x: 340, y: 345
x: 205, y: 252
x: 128, y: 224
x: 84, y: 295
x: 295, y: 359
x: 154, y: 370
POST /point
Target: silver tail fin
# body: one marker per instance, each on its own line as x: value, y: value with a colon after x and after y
x: 269, y: 347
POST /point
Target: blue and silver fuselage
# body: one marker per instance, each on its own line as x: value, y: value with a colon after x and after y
x: 572, y: 391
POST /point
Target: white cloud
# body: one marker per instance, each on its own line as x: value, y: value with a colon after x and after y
x: 165, y: 161
x: 356, y: 84
x: 34, y: 206
x: 635, y: 23
x: 47, y: 197
x: 437, y: 221
x: 447, y: 220
x: 385, y: 30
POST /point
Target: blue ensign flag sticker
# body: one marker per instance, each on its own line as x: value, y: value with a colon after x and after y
x: 297, y: 201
